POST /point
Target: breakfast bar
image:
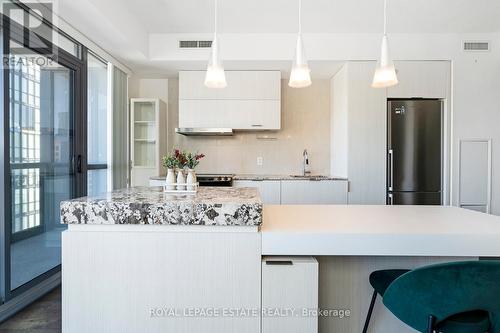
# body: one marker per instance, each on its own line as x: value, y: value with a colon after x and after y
x: 140, y: 259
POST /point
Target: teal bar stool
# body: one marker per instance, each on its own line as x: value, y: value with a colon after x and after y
x: 457, y: 297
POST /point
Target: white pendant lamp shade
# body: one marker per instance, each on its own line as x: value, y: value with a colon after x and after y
x: 300, y: 75
x: 215, y: 76
x: 385, y: 73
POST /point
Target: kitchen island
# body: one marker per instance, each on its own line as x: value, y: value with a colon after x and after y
x: 139, y: 260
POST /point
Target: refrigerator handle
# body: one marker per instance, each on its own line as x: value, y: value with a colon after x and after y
x: 391, y: 168
x: 390, y: 199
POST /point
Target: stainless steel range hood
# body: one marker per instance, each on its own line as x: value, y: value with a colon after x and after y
x: 204, y: 131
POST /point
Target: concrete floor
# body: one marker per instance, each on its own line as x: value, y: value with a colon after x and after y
x: 43, y: 316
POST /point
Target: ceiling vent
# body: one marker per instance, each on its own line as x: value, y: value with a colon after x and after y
x: 195, y: 44
x: 475, y: 46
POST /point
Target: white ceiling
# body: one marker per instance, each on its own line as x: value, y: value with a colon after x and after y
x: 319, y: 16
x: 123, y: 27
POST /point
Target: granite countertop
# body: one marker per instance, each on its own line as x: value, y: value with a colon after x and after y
x: 274, y: 177
x: 226, y: 206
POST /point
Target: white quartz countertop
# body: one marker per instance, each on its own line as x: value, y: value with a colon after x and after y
x: 379, y: 231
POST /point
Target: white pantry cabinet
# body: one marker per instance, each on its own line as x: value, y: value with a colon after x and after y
x: 422, y: 79
x: 312, y: 192
x: 270, y: 190
x: 251, y: 101
x: 360, y: 124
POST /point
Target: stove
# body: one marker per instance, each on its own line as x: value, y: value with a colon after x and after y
x: 215, y: 179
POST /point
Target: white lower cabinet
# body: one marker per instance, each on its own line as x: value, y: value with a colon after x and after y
x: 290, y: 289
x: 269, y: 190
x: 310, y: 192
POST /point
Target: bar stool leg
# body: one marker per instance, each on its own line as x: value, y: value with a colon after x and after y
x: 370, y: 310
x: 431, y: 323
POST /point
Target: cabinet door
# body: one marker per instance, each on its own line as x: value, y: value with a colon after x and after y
x: 236, y: 114
x: 269, y: 189
x: 242, y: 85
x: 426, y: 79
x: 289, y: 283
x: 366, y: 144
x: 474, y: 173
x: 310, y: 192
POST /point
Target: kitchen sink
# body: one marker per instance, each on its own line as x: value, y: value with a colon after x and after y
x: 313, y: 177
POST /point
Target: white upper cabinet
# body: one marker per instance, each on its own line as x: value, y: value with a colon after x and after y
x: 423, y: 79
x: 251, y: 101
x: 241, y: 85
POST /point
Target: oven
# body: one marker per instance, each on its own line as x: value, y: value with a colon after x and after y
x: 223, y: 180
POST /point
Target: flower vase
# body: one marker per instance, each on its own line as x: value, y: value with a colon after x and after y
x: 181, y: 180
x: 191, y: 180
x: 170, y: 180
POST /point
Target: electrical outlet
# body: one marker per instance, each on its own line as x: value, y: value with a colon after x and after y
x: 260, y: 161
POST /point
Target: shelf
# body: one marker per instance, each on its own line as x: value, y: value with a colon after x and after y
x: 145, y: 122
x: 145, y: 140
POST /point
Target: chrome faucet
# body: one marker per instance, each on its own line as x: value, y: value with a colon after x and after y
x: 305, y: 164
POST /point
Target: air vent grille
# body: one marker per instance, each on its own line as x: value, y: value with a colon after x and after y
x: 195, y: 44
x: 472, y: 46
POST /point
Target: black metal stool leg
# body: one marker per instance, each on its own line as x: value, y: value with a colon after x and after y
x: 370, y: 310
x: 431, y: 323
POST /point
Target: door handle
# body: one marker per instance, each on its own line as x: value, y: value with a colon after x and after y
x: 79, y: 164
x: 391, y: 169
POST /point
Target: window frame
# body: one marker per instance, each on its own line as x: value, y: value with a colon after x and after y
x: 14, y: 31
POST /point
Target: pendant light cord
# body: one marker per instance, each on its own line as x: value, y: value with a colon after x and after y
x: 385, y: 17
x: 300, y: 17
x: 215, y: 29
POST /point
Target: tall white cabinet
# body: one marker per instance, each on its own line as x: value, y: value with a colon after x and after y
x: 359, y: 133
x: 148, y: 137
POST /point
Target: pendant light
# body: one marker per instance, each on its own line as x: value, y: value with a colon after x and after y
x: 300, y: 75
x: 385, y: 73
x: 215, y: 76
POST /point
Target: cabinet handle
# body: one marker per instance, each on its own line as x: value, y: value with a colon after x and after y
x: 279, y: 263
x: 256, y: 125
x: 391, y: 202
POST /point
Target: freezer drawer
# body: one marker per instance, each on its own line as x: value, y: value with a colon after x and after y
x: 289, y: 283
x: 414, y: 198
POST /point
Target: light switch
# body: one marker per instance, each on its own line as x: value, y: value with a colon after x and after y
x: 260, y: 161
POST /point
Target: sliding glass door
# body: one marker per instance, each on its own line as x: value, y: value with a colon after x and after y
x: 45, y: 161
x: 42, y: 144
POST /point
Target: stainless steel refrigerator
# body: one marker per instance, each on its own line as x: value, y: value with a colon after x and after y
x: 414, y: 154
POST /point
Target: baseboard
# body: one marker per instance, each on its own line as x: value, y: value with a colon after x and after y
x: 16, y: 304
